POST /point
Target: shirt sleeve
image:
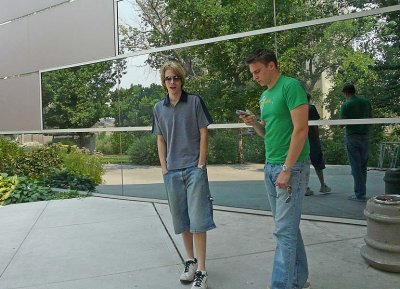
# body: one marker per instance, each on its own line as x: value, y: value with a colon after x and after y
x: 295, y: 95
x: 204, y: 118
x: 156, y: 125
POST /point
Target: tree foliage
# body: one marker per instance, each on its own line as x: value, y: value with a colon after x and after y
x: 77, y: 97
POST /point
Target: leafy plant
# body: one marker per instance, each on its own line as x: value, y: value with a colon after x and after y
x: 82, y: 162
x: 37, y: 162
x: 68, y: 180
x: 7, y: 185
x: 14, y: 190
x: 10, y: 152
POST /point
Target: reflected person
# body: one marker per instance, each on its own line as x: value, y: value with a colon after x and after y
x: 316, y: 155
x: 284, y: 127
x: 180, y: 121
x: 357, y: 139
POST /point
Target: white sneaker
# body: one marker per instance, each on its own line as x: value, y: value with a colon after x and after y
x: 200, y: 280
x: 189, y: 271
x: 325, y: 189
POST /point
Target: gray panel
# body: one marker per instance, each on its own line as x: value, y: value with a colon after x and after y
x: 11, y: 9
x: 20, y: 103
x: 76, y: 32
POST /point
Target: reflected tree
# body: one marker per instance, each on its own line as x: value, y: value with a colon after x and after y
x: 79, y: 97
x: 363, y: 50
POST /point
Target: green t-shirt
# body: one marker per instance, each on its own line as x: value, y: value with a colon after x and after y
x: 275, y: 105
x: 356, y: 107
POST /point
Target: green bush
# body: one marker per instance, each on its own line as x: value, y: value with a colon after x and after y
x: 121, y: 141
x: 38, y: 161
x: 32, y: 162
x: 143, y: 151
x: 82, y: 162
x: 105, y: 145
x: 10, y: 152
x: 223, y: 147
x: 64, y: 179
x: 254, y: 149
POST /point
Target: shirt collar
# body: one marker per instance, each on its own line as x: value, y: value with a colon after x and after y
x: 182, y: 99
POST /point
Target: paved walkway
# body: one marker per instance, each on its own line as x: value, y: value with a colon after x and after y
x: 101, y: 243
x: 242, y: 186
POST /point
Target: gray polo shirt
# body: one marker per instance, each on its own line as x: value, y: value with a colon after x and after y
x: 180, y: 126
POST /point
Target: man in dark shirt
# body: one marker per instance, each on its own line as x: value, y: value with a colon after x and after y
x: 316, y: 156
x: 357, y: 139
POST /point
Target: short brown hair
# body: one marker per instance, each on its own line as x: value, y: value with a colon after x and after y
x: 264, y: 56
x: 176, y: 67
x: 349, y: 89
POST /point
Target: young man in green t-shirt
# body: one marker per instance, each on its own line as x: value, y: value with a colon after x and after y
x: 284, y: 127
x: 357, y: 139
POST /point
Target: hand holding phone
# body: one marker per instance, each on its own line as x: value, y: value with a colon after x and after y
x: 242, y: 112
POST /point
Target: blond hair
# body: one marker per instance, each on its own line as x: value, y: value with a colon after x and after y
x: 176, y: 67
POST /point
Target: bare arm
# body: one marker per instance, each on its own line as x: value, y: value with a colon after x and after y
x: 162, y: 153
x: 299, y: 117
x: 203, y: 146
x: 259, y: 127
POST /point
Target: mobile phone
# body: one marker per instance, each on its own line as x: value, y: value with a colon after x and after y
x: 242, y: 112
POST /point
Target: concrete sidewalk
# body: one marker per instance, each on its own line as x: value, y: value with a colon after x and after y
x: 99, y: 243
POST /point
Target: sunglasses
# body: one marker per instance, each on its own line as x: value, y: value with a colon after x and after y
x: 170, y: 78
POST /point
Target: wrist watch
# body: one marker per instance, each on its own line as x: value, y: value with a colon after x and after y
x: 203, y: 167
x: 286, y: 168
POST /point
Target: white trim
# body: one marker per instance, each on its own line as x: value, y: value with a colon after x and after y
x: 326, y: 122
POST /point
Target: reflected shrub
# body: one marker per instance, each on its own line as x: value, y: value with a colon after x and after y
x: 223, y: 147
x: 143, y: 151
x: 253, y: 147
x: 105, y: 145
x: 121, y: 141
x: 82, y: 162
x: 112, y: 144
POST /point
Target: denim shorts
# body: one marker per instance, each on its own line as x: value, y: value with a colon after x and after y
x: 189, y: 200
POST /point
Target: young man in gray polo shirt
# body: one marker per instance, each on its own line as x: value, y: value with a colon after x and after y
x: 180, y: 122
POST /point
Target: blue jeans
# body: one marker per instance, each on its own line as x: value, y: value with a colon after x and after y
x: 290, y: 269
x: 189, y: 200
x: 357, y: 153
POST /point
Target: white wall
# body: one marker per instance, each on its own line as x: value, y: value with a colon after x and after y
x: 74, y: 32
x: 11, y: 9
